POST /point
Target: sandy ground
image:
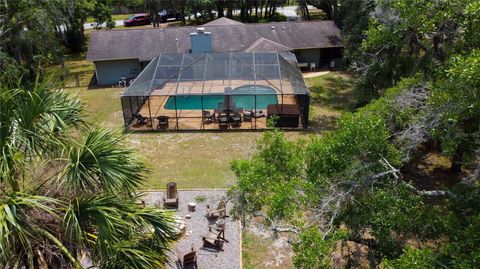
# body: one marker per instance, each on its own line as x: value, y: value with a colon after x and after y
x: 197, y: 227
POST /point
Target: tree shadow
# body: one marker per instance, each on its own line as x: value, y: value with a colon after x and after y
x: 321, y: 123
x: 335, y: 93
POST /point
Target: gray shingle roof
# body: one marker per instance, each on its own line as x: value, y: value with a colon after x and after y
x: 145, y: 44
x: 223, y: 21
x: 266, y: 45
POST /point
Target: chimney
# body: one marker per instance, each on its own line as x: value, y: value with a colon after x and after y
x: 201, y: 41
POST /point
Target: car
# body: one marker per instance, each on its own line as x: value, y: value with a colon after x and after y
x: 169, y: 14
x: 137, y: 20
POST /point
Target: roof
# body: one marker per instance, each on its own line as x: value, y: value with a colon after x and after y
x: 266, y: 45
x: 145, y: 44
x: 218, y: 74
x: 223, y: 21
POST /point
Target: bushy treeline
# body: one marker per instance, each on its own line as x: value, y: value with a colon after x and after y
x: 350, y: 185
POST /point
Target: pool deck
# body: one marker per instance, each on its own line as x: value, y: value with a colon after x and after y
x: 192, y: 119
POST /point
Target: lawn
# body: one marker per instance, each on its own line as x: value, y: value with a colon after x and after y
x: 199, y: 159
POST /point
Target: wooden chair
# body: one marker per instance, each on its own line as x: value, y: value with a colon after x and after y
x: 171, y: 195
x: 214, y: 240
x: 189, y: 260
x: 220, y: 212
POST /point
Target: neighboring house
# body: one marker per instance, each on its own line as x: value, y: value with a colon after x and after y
x: 125, y: 53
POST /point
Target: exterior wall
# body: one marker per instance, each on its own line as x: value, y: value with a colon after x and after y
x: 110, y: 72
x: 308, y: 56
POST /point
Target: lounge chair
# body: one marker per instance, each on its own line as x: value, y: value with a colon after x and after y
x: 214, y: 240
x: 171, y: 195
x: 162, y: 122
x: 189, y: 260
x: 208, y: 117
x: 220, y: 212
x: 140, y: 119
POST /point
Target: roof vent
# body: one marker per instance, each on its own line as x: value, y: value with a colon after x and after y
x: 283, y: 27
x: 273, y: 27
x: 201, y: 30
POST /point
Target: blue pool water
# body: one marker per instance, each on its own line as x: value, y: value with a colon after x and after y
x: 243, y: 97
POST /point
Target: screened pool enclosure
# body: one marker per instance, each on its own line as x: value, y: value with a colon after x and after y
x: 217, y: 91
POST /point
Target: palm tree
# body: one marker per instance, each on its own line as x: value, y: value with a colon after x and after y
x: 67, y: 189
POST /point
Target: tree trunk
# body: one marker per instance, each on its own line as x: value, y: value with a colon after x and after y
x: 457, y: 158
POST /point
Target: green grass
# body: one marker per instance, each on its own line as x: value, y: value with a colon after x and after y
x: 331, y: 95
x: 200, y: 159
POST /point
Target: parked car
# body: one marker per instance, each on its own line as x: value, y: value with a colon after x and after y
x: 169, y: 14
x: 137, y: 19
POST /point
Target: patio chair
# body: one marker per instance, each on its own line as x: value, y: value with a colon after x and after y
x: 208, y: 117
x: 189, y: 260
x: 236, y: 119
x: 162, y: 122
x: 140, y: 119
x: 220, y: 212
x: 223, y: 120
x: 214, y: 240
x: 171, y: 195
x: 248, y: 115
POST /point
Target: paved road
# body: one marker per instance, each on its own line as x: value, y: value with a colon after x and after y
x: 290, y: 12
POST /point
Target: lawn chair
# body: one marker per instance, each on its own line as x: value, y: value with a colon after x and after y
x: 189, y: 260
x: 220, y: 212
x: 213, y: 240
x: 208, y: 117
x: 162, y: 122
x: 171, y: 195
x: 140, y: 119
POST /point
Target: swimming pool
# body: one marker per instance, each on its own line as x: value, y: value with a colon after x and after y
x: 243, y: 97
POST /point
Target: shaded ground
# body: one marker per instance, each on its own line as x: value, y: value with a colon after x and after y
x: 331, y: 95
x: 431, y: 172
x: 197, y: 227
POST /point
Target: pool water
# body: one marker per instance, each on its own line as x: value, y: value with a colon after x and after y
x: 243, y: 97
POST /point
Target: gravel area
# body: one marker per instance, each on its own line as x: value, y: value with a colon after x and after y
x: 197, y: 227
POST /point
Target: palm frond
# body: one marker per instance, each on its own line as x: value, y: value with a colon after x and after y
x: 22, y: 216
x: 101, y: 163
x: 120, y: 233
x: 34, y: 122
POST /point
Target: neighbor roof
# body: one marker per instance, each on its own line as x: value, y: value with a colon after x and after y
x: 217, y: 74
x: 145, y: 44
x: 223, y: 21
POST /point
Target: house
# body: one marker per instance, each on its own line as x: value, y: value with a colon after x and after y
x: 125, y: 53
